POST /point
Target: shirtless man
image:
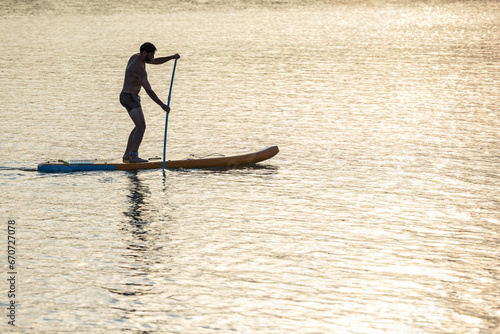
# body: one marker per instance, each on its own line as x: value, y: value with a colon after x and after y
x: 135, y: 78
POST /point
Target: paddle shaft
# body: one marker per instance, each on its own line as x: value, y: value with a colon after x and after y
x: 166, y: 117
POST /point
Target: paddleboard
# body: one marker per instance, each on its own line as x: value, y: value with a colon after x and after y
x: 219, y: 161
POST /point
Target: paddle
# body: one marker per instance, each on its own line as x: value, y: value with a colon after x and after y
x: 166, y: 118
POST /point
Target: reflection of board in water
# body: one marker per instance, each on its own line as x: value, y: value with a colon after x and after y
x: 210, y: 161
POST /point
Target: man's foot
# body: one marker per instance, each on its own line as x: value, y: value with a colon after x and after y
x: 126, y: 158
x: 134, y: 158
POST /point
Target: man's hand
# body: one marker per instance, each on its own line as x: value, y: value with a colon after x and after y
x: 176, y: 56
x: 166, y: 108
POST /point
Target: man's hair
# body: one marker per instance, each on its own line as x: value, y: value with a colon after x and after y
x: 148, y: 47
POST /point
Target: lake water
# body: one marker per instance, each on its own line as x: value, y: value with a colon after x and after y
x: 380, y: 214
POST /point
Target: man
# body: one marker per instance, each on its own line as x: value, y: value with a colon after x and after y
x: 135, y: 78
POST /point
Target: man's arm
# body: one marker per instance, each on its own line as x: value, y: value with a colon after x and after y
x: 151, y: 93
x: 162, y: 60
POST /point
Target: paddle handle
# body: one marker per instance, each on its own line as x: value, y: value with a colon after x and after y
x: 166, y: 117
x: 171, y: 82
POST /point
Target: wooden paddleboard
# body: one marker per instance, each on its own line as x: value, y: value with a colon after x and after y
x: 190, y: 162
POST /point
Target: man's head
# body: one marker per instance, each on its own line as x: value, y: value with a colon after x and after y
x: 150, y: 51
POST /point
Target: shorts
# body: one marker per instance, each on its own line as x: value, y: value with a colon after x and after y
x: 130, y: 101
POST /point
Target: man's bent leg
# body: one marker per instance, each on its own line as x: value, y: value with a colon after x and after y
x: 137, y: 133
x: 129, y: 145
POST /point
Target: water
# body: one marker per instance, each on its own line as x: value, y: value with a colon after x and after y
x: 380, y: 214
